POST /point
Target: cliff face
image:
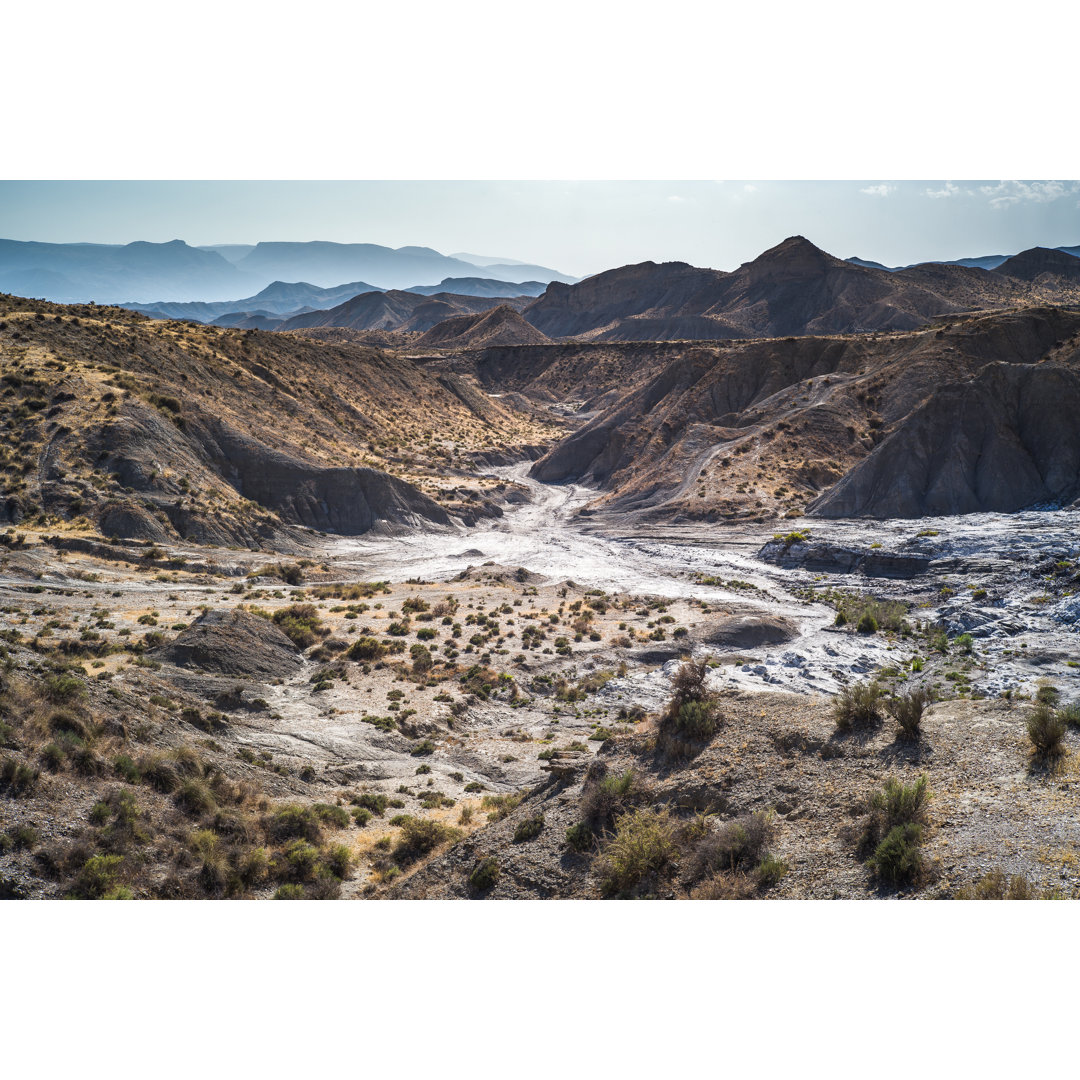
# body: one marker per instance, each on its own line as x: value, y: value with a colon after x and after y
x: 1005, y: 440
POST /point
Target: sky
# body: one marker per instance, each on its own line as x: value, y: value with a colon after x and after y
x: 577, y: 227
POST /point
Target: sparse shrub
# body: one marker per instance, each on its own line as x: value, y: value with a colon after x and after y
x: 376, y: 802
x: 579, y: 836
x: 300, y: 622
x: 53, y: 757
x: 254, y: 867
x: 857, y: 706
x: 484, y: 874
x: 299, y: 861
x: 529, y: 829
x: 886, y: 835
x: 289, y: 892
x: 692, y: 714
x: 97, y: 877
x: 63, y: 687
x: 500, y: 806
x: 366, y: 648
x: 425, y: 746
x: 907, y: 710
x: 898, y: 858
x: 419, y: 836
x: 996, y: 886
x: 643, y: 846
x: 867, y: 624
x: 194, y: 798
x: 126, y: 769
x: 294, y: 821
x: 770, y: 870
x: 16, y: 778
x: 338, y: 860
x: 337, y: 817
x: 1046, y: 730
x: 735, y: 845
x: 361, y: 815
x: 1047, y: 694
x: 159, y: 774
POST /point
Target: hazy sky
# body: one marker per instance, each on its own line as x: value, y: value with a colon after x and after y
x: 577, y: 227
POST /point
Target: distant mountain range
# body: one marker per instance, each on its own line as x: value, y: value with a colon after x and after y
x: 794, y: 288
x: 983, y: 262
x: 145, y: 273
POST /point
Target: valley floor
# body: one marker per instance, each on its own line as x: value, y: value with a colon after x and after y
x: 433, y: 678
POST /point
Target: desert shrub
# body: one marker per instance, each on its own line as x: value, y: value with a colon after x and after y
x: 289, y: 892
x: 604, y: 793
x: 361, y: 815
x: 867, y: 624
x: 419, y: 836
x: 294, y: 821
x: 19, y: 838
x: 17, y: 778
x: 692, y: 713
x: 53, y: 757
x: 194, y: 798
x: 96, y: 879
x: 907, y: 710
x: 300, y: 623
x: 63, y: 687
x: 643, y: 846
x: 86, y: 762
x: 298, y: 862
x: 529, y: 829
x: 895, y: 804
x: 898, y: 858
x: 579, y: 836
x: 365, y: 648
x: 734, y: 845
x: 996, y: 886
x: 376, y: 802
x: 857, y: 706
x: 424, y: 746
x: 1046, y: 729
x: 484, y: 874
x: 500, y: 806
x: 62, y: 723
x: 868, y: 614
x: 336, y: 817
x: 126, y: 769
x: 338, y: 860
x: 254, y: 867
x: 770, y: 870
x: 1071, y: 714
x: 159, y: 774
x: 1047, y: 694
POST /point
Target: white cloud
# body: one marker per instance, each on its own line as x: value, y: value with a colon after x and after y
x: 749, y: 189
x: 675, y: 198
x: 947, y: 192
x: 880, y: 190
x: 1010, y: 192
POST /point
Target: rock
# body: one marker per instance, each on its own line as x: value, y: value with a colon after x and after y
x: 234, y: 643
x: 746, y: 631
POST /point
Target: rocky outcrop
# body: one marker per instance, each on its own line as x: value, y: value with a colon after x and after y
x: 234, y: 643
x: 1004, y: 440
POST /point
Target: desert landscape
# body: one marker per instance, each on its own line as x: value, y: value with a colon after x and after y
x: 667, y: 582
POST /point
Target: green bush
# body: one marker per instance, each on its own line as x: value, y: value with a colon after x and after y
x: 529, y: 829
x: 376, y: 802
x: 770, y: 870
x: 419, y: 836
x: 867, y: 624
x: 857, y: 706
x: 907, y: 710
x: 338, y: 860
x: 996, y: 886
x: 898, y: 858
x: 294, y: 821
x: 194, y: 798
x: 734, y: 845
x: 336, y: 817
x: 97, y: 877
x: 290, y: 892
x: 300, y: 623
x: 643, y: 846
x: 1046, y: 730
x: 894, y: 804
x: 484, y: 874
x: 361, y: 815
x: 126, y: 769
x: 16, y: 778
x: 365, y: 648
x: 579, y: 836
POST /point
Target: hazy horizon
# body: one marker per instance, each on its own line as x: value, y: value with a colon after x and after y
x: 576, y: 227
